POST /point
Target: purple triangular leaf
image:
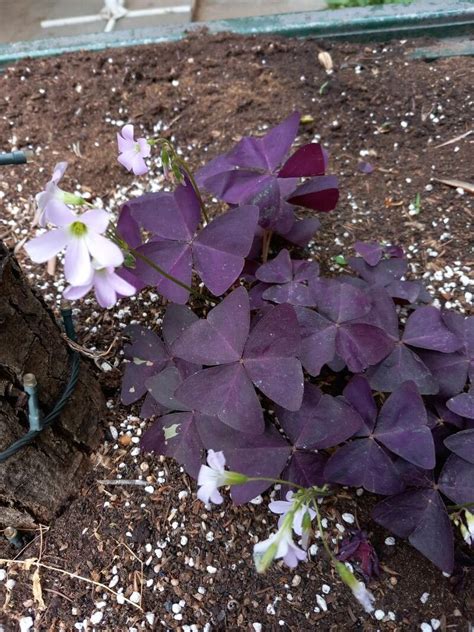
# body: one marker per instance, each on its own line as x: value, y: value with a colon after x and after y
x: 371, y: 252
x: 174, y: 257
x: 363, y: 463
x: 302, y: 231
x: 320, y: 194
x: 425, y: 328
x: 270, y: 357
x: 220, y: 338
x: 177, y: 435
x: 421, y: 516
x: 277, y: 270
x: 359, y: 395
x: 163, y: 386
x: 402, y: 427
x: 318, y: 340
x: 227, y: 393
x: 462, y: 444
x: 362, y: 345
x: 462, y: 404
x: 151, y: 408
x: 341, y: 302
x: 383, y: 273
x: 220, y: 248
x: 305, y: 469
x: 292, y: 293
x: 448, y: 369
x: 177, y: 318
x: 400, y: 366
x: 309, y: 160
x: 456, y: 480
x: 322, y: 421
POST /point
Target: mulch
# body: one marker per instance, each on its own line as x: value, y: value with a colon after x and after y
x: 183, y: 567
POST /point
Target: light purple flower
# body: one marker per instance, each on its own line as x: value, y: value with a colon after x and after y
x: 52, y: 200
x: 280, y: 545
x: 213, y: 475
x: 107, y: 284
x: 285, y: 506
x: 83, y: 238
x: 360, y: 592
x: 132, y: 152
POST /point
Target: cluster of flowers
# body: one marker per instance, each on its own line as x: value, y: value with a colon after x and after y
x: 91, y: 257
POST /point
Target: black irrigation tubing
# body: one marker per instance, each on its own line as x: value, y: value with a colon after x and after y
x: 46, y: 421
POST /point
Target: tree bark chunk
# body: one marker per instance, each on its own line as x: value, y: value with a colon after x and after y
x: 36, y: 483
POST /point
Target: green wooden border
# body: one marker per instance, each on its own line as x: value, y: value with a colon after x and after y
x: 375, y: 23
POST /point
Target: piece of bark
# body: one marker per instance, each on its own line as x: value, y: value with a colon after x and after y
x: 37, y: 482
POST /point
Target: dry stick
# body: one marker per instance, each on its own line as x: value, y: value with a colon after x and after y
x: 454, y: 140
x: 33, y: 561
x: 120, y: 481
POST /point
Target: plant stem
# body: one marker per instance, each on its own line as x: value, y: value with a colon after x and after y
x: 266, y: 239
x: 321, y: 531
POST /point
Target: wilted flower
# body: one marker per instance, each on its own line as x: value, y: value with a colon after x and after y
x: 82, y: 236
x: 358, y: 549
x: 108, y: 286
x: 466, y: 526
x: 360, y: 592
x: 52, y: 199
x: 132, y: 152
x: 283, y: 507
x: 213, y: 476
x: 277, y: 546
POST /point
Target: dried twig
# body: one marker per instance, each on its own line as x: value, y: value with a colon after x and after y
x: 454, y: 140
x: 456, y: 184
x: 120, y: 481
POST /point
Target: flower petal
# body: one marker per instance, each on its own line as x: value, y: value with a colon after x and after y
x: 105, y: 294
x: 216, y: 460
x: 77, y: 262
x: 121, y: 286
x: 73, y: 292
x: 56, y: 212
x: 103, y: 250
x: 47, y: 245
x: 96, y: 220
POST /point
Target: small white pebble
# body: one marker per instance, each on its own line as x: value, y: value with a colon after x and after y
x: 149, y: 489
x: 3, y: 574
x: 390, y: 541
x: 96, y: 617
x: 426, y: 627
x: 10, y: 584
x: 211, y: 570
x: 326, y: 589
x: 135, y: 597
x: 379, y: 615
x: 424, y: 597
x: 257, y: 627
x: 321, y: 603
x: 26, y: 623
x: 176, y: 608
x: 435, y: 623
x: 348, y: 517
x: 150, y: 617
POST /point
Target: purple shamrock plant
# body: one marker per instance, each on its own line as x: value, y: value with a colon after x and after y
x: 288, y: 377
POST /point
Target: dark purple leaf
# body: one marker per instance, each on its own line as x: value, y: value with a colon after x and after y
x: 357, y: 549
x: 305, y: 469
x: 462, y: 404
x: 320, y: 194
x: 421, y: 517
x: 163, y: 386
x: 362, y: 345
x: 318, y: 340
x: 177, y: 435
x: 177, y: 318
x: 402, y: 365
x: 322, y: 421
x: 151, y: 408
x: 302, y: 231
x: 220, y: 338
x: 448, y: 369
x: 147, y: 356
x: 227, y: 393
x: 359, y: 395
x: 456, y: 480
x: 402, y: 427
x: 386, y: 271
x: 371, y: 252
x: 462, y: 444
x: 340, y: 302
x: 220, y: 248
x: 277, y: 270
x: 425, y: 328
x: 309, y: 160
x: 364, y: 463
x: 270, y: 357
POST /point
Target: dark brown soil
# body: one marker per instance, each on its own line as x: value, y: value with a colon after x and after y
x: 207, y: 92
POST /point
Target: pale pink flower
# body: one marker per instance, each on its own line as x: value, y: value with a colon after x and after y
x: 132, y: 152
x: 214, y: 475
x: 107, y: 284
x: 53, y: 199
x: 82, y: 236
x: 280, y: 545
x: 284, y: 506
